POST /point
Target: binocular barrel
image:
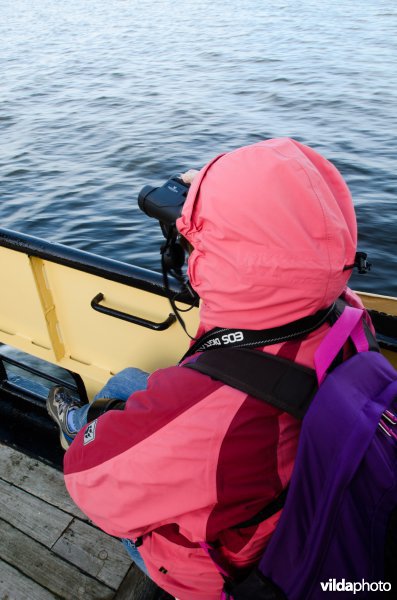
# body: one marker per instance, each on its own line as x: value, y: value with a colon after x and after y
x: 164, y: 203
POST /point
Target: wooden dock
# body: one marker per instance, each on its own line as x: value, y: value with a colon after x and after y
x: 49, y: 549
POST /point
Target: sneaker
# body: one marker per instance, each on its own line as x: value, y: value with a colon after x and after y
x: 59, y: 403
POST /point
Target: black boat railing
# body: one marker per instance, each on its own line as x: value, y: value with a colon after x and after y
x: 106, y: 268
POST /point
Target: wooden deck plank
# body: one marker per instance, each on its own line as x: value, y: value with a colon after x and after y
x: 29, y: 569
x: 39, y: 520
x: 137, y: 586
x: 36, y: 478
x: 95, y: 552
x: 15, y: 586
x: 48, y: 570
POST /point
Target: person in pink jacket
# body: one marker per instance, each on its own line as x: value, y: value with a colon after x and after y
x: 273, y: 231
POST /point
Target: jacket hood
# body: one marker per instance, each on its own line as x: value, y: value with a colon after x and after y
x: 272, y: 226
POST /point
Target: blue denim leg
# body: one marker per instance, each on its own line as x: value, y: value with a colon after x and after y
x: 125, y: 383
x: 120, y: 386
x: 134, y: 554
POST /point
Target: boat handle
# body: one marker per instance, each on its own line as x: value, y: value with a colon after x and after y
x: 112, y: 312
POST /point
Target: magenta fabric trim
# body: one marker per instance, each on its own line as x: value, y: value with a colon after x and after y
x: 348, y: 325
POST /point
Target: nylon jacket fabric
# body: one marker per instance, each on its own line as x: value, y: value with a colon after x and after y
x: 272, y: 227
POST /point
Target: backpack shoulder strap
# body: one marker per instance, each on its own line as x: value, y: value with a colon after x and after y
x: 264, y: 376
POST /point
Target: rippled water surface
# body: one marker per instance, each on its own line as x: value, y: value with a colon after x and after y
x: 99, y: 98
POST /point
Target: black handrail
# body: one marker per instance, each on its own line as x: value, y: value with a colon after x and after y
x: 118, y: 314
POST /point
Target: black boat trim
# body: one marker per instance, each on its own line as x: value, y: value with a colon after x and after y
x: 386, y: 329
x: 78, y: 387
x: 137, y: 277
x: 24, y: 425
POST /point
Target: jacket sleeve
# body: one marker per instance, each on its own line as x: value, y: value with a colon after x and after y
x: 150, y: 464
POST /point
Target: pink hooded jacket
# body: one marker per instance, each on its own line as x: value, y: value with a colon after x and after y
x: 272, y: 226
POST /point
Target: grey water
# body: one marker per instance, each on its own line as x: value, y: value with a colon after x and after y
x: 98, y: 98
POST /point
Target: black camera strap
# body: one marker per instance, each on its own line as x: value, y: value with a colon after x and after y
x: 261, y: 375
x: 251, y: 338
x: 172, y: 259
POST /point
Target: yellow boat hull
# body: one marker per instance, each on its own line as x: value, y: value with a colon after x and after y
x: 45, y: 311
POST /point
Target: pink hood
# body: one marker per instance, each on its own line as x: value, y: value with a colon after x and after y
x: 273, y: 226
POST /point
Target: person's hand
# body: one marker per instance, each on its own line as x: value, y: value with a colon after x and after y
x: 189, y: 176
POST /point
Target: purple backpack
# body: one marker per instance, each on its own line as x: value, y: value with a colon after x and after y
x: 337, y: 531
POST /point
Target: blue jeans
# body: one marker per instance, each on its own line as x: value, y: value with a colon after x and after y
x: 121, y: 386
